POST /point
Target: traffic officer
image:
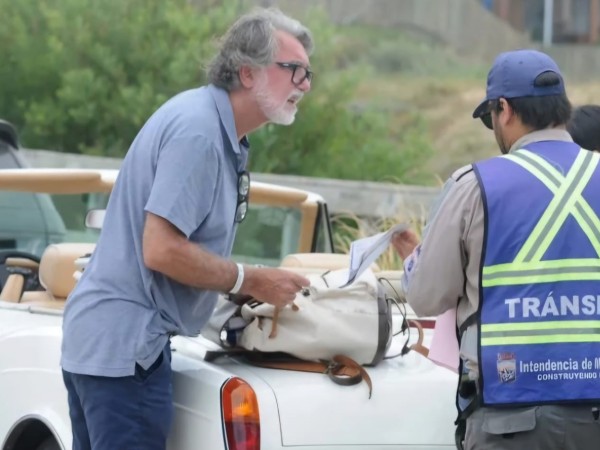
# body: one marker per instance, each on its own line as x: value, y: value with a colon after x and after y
x: 514, y: 247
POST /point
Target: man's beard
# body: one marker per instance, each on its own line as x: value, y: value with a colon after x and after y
x: 281, y: 114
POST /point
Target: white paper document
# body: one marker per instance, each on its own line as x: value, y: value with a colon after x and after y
x: 444, y: 349
x: 364, y: 252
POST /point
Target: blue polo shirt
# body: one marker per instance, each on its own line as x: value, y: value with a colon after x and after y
x: 183, y: 166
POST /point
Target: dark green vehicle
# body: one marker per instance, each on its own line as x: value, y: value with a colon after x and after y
x: 29, y: 222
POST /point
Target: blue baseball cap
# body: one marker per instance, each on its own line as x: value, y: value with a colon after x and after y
x: 513, y: 75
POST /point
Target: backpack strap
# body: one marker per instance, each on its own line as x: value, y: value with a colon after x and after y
x: 341, y: 369
x: 418, y: 346
x: 212, y: 355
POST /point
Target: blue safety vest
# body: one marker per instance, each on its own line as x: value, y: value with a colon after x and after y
x: 539, y: 313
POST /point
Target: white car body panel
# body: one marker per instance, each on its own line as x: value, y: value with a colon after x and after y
x: 299, y: 410
x: 412, y: 406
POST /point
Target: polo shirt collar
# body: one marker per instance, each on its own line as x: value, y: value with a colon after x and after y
x: 221, y: 98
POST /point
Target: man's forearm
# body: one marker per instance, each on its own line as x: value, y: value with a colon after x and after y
x: 168, y: 251
x: 189, y: 264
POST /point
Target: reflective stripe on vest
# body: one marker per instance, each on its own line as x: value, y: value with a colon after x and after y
x: 540, y: 332
x: 527, y: 267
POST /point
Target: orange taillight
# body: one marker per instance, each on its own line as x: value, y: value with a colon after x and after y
x: 240, y: 415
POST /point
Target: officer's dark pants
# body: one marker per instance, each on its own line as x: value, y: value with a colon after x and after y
x: 539, y: 428
x: 124, y: 413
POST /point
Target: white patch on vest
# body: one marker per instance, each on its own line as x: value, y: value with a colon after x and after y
x: 526, y: 307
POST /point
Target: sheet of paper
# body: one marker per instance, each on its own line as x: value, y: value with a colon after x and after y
x: 364, y: 252
x: 444, y: 345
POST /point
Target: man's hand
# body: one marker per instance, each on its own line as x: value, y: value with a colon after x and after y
x: 405, y: 243
x: 275, y: 286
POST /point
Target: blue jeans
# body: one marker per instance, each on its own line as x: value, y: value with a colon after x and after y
x: 123, y: 413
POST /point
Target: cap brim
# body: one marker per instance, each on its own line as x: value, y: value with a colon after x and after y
x: 481, y: 109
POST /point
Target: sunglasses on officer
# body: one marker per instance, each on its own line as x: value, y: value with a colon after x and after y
x: 243, y: 192
x: 486, y: 118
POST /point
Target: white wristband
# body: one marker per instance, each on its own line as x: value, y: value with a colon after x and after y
x: 240, y: 279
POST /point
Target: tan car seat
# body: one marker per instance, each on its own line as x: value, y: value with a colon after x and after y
x: 57, y: 269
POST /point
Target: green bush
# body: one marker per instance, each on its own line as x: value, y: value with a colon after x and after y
x: 334, y: 137
x: 82, y: 77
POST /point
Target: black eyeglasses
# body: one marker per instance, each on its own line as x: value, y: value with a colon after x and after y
x: 486, y: 118
x: 299, y: 72
x: 243, y: 193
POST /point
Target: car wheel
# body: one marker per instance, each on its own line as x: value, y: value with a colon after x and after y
x: 48, y: 444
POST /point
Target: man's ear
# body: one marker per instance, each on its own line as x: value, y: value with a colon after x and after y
x: 247, y: 77
x: 504, y: 107
x: 502, y: 103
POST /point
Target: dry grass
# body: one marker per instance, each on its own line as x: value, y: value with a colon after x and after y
x: 445, y: 99
x: 447, y: 105
x: 349, y: 227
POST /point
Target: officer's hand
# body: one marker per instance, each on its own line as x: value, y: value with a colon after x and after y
x: 275, y: 286
x: 405, y: 242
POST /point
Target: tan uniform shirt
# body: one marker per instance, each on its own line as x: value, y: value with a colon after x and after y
x: 450, y: 253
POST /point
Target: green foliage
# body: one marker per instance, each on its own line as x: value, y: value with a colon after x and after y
x: 83, y: 76
x: 341, y: 142
x: 334, y: 136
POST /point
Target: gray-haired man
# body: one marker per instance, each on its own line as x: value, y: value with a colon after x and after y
x: 169, y: 229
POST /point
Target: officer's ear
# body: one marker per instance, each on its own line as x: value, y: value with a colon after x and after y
x: 502, y: 103
x: 504, y: 111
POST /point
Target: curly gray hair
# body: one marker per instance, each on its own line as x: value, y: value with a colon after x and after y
x: 251, y: 42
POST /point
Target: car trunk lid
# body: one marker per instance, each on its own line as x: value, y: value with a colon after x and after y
x: 412, y: 404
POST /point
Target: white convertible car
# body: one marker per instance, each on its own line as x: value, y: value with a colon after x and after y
x: 225, y: 404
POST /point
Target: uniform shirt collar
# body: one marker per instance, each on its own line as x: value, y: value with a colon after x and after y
x: 548, y: 134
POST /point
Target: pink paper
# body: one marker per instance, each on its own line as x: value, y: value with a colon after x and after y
x: 444, y: 345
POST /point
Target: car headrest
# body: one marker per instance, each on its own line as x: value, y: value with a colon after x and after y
x: 57, y: 267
